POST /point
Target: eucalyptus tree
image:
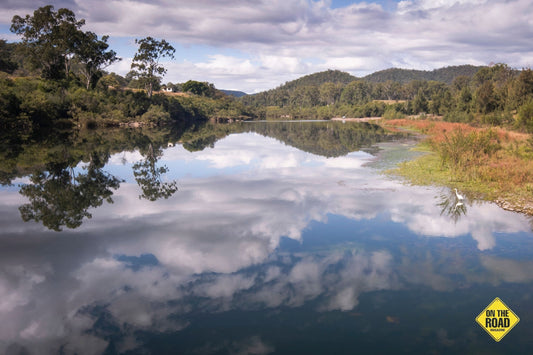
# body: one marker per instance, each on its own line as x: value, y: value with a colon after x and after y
x: 93, y: 56
x: 330, y: 93
x: 146, y: 61
x: 357, y: 92
x: 50, y: 39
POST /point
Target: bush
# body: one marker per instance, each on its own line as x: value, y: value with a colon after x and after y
x: 459, y: 116
x: 464, y: 152
x: 393, y: 112
x: 525, y: 116
x: 496, y: 118
x: 156, y: 114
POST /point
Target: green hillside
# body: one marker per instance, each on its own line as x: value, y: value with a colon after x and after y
x: 306, y: 88
x: 327, y: 87
x: 234, y: 93
x: 445, y: 75
x: 317, y: 79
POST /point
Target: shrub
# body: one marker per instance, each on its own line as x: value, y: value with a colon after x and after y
x: 392, y: 112
x: 496, y: 118
x: 525, y: 116
x: 156, y: 114
x: 465, y: 152
x: 459, y: 116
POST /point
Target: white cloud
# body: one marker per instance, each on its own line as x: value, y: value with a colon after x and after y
x: 217, y: 238
x: 281, y: 40
x: 226, y: 65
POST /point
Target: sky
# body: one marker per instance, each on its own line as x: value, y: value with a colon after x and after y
x: 256, y: 45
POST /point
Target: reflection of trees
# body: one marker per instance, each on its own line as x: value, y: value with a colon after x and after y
x: 59, y: 197
x: 200, y: 143
x: 148, y: 176
x: 329, y: 139
x: 452, y: 207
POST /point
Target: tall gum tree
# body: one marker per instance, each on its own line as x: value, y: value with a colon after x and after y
x: 146, y: 61
x: 93, y: 56
x: 50, y: 39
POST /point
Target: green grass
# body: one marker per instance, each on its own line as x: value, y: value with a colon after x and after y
x: 430, y: 170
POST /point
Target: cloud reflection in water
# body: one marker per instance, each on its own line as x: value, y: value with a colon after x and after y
x: 217, y: 245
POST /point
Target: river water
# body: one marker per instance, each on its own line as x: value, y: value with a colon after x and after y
x: 282, y: 238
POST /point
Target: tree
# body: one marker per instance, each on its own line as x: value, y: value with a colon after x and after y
x: 113, y: 80
x: 329, y: 93
x: 93, y: 56
x: 146, y: 61
x: 356, y: 93
x: 420, y: 103
x: 521, y: 89
x: 149, y: 178
x: 6, y: 53
x: 525, y: 116
x: 199, y: 88
x: 50, y: 39
x: 485, y: 98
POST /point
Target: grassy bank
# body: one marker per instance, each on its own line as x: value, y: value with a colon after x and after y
x: 489, y: 163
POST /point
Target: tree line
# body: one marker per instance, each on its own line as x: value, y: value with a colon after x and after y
x: 56, y: 74
x: 495, y: 95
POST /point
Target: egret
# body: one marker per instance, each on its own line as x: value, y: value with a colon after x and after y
x: 459, y: 197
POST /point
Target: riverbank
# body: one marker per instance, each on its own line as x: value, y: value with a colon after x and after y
x: 362, y: 119
x: 488, y: 163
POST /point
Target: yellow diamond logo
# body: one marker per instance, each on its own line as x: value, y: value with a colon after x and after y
x: 497, y: 319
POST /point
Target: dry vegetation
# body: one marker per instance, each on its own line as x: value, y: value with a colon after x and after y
x: 492, y: 163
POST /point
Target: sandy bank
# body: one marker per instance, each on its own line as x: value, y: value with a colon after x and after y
x: 363, y: 119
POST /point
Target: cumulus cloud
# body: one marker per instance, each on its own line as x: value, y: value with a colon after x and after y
x: 283, y: 39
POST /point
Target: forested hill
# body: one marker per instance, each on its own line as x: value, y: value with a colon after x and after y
x: 403, y: 76
x: 234, y: 93
x: 317, y: 79
x: 305, y: 87
x: 325, y: 88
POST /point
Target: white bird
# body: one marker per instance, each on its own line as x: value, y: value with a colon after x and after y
x: 459, y: 197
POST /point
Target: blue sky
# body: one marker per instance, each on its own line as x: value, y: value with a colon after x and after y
x: 255, y: 45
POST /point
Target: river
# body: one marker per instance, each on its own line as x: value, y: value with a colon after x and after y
x: 282, y: 238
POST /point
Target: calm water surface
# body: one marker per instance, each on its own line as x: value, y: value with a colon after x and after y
x: 254, y: 242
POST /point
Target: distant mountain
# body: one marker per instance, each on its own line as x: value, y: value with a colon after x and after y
x: 234, y: 93
x: 280, y: 95
x: 305, y: 91
x: 317, y: 79
x: 403, y: 76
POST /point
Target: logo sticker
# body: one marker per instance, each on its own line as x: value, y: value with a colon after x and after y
x: 497, y: 319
